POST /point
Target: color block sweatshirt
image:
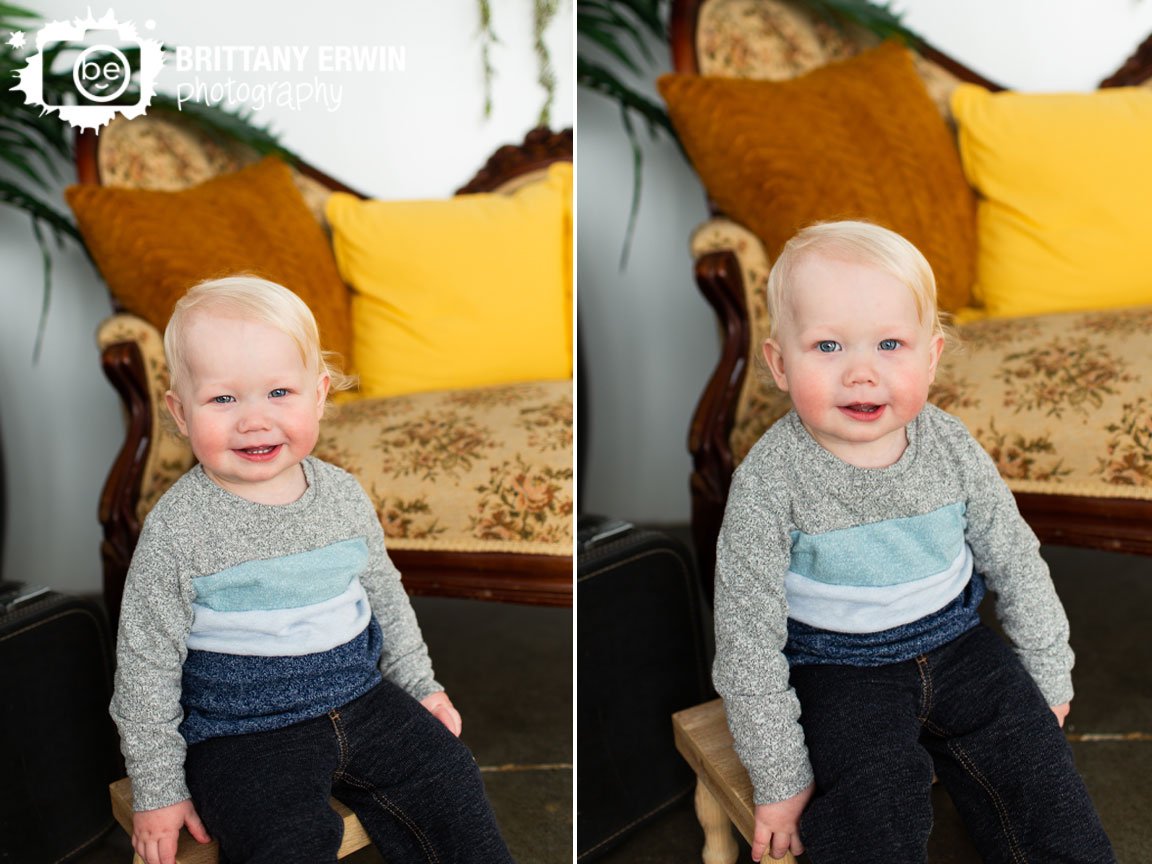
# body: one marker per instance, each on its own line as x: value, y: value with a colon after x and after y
x: 822, y: 562
x: 241, y: 617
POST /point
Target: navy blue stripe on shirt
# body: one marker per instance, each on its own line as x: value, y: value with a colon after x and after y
x: 808, y: 646
x: 233, y: 694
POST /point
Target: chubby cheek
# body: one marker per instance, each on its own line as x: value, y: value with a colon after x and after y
x: 812, y: 391
x: 206, y: 438
x: 911, y: 387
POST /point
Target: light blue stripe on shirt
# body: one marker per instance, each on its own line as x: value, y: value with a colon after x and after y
x: 286, y: 582
x: 282, y: 632
x: 867, y: 609
x: 882, y: 553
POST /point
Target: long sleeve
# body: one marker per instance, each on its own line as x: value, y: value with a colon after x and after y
x: 1007, y: 553
x: 404, y: 660
x: 750, y: 671
x: 155, y: 619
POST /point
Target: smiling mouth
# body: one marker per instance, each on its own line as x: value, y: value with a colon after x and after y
x: 862, y: 410
x: 263, y: 452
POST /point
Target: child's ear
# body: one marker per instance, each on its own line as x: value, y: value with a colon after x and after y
x: 176, y: 409
x: 322, y: 387
x: 775, y: 360
x: 935, y: 350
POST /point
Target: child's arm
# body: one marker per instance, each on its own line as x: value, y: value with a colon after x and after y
x: 778, y: 826
x: 150, y: 648
x: 750, y: 671
x: 156, y: 832
x: 404, y: 660
x: 1007, y: 553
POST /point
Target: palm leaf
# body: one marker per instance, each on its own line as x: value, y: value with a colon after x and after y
x: 877, y: 18
x: 597, y: 77
x: 39, y: 210
x: 42, y: 214
x: 623, y: 30
x: 614, y: 32
x: 9, y: 15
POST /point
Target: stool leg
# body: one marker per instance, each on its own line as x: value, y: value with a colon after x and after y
x: 719, y: 844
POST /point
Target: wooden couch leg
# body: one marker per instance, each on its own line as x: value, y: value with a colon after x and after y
x: 719, y: 844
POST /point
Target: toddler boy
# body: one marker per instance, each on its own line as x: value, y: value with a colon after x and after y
x: 268, y: 656
x: 861, y: 533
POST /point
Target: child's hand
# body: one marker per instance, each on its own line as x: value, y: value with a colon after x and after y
x: 1061, y: 711
x: 778, y: 826
x: 154, y: 832
x: 444, y: 711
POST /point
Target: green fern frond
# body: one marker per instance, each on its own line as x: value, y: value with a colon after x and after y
x: 878, y: 18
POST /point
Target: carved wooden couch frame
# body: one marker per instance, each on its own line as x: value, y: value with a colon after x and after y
x: 485, y: 570
x: 730, y: 266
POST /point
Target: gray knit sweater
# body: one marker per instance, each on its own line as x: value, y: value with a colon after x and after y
x: 872, y: 565
x: 242, y: 617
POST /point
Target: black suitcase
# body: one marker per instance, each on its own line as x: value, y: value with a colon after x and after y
x: 641, y: 655
x: 58, y: 746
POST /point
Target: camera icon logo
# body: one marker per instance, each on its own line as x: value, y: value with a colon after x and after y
x: 102, y: 75
x: 113, y: 73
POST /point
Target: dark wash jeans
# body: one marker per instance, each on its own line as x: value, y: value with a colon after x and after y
x: 414, y: 785
x: 968, y: 711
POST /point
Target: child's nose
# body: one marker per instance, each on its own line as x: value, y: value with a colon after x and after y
x: 860, y: 370
x: 253, y: 419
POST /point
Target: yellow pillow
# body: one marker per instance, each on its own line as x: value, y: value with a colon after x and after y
x: 1064, y: 216
x: 465, y: 292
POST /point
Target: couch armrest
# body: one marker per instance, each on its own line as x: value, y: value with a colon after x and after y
x: 728, y: 258
x: 152, y: 455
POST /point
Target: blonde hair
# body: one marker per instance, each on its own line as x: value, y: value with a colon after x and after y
x: 865, y: 243
x: 250, y: 298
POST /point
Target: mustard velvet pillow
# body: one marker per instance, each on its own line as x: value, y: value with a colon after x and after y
x: 855, y: 139
x: 466, y: 292
x: 151, y: 247
x: 1064, y: 215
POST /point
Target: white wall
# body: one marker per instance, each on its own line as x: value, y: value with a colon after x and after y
x: 411, y: 134
x: 649, y: 339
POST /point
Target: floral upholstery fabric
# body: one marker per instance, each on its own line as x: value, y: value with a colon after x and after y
x: 1062, y: 403
x: 483, y: 470
x: 770, y: 39
x: 166, y: 154
x: 480, y: 470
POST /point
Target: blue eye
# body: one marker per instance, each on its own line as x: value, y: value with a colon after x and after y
x: 827, y: 346
x: 223, y: 400
x: 889, y: 344
x: 278, y: 392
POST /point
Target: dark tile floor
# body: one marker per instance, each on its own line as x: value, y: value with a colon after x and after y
x: 1109, y: 602
x: 508, y: 669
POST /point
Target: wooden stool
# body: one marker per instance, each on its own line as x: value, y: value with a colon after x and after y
x: 723, y: 789
x: 188, y: 851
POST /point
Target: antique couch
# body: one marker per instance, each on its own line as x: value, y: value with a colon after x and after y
x: 789, y: 119
x: 466, y: 454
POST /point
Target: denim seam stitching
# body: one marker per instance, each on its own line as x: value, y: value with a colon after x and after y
x: 341, y: 740
x: 388, y: 805
x: 966, y: 762
x: 925, y: 689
